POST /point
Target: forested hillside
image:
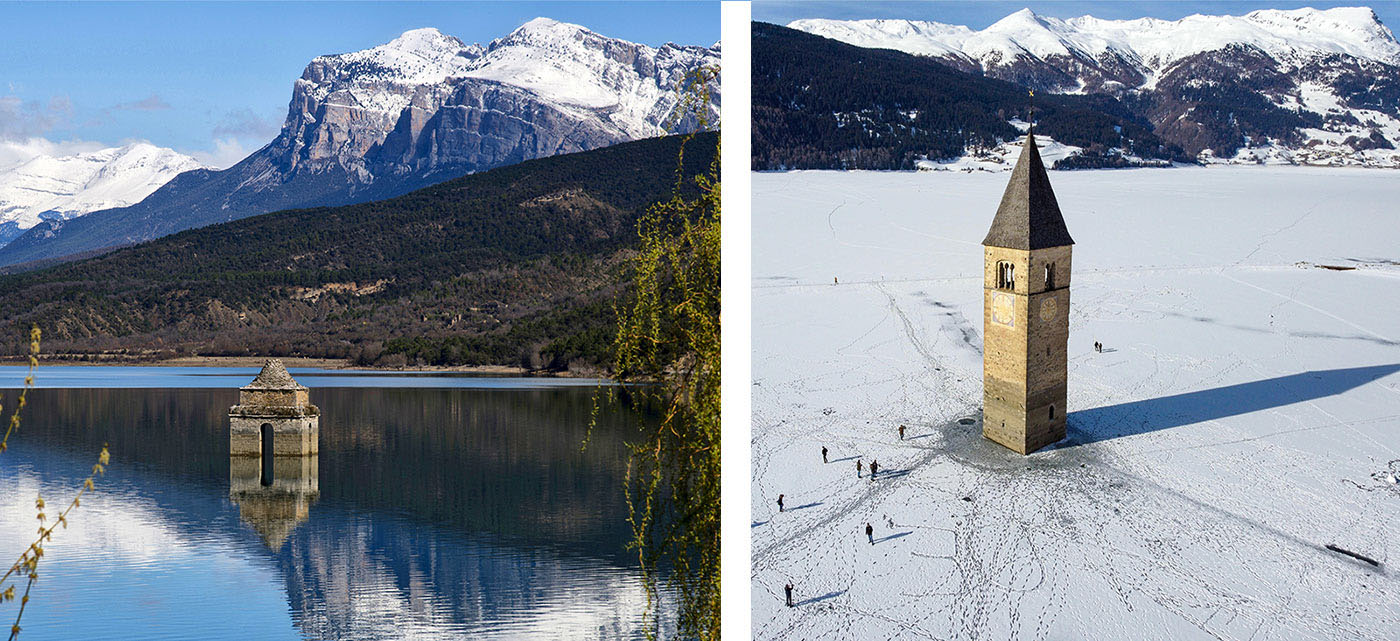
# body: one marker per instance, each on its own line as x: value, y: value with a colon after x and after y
x: 515, y: 266
x: 823, y: 104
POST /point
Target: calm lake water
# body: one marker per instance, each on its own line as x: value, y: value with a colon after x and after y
x: 439, y: 506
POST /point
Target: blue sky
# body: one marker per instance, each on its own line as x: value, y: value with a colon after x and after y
x: 213, y: 79
x: 980, y: 14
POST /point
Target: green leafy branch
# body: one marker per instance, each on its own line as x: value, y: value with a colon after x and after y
x: 28, y: 563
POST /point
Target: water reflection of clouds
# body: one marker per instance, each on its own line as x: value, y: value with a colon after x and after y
x: 359, y: 586
x: 387, y: 555
x: 127, y: 567
x: 124, y: 567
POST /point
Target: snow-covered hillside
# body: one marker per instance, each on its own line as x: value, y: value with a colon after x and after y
x: 628, y: 89
x: 1149, y: 45
x: 1329, y: 79
x: 1003, y: 156
x: 47, y: 187
x: 634, y: 84
x: 1244, y: 414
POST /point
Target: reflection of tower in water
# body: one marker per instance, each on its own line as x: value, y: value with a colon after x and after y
x: 273, y: 509
x: 273, y: 434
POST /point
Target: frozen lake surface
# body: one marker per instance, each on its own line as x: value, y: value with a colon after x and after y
x: 1245, y: 412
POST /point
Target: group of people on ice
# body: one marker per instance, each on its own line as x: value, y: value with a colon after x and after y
x: 860, y: 470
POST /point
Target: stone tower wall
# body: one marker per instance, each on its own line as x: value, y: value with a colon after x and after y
x: 291, y: 436
x: 274, y: 397
x: 1024, y: 363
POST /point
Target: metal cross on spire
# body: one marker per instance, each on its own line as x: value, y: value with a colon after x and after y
x: 1032, y: 116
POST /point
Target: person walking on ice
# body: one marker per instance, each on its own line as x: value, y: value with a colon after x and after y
x: 901, y: 432
x: 874, y: 469
x: 780, y: 503
x: 870, y: 533
x: 788, y: 589
x: 824, y: 454
x: 859, y: 467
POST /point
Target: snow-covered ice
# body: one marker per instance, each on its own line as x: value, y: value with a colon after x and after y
x: 1245, y: 412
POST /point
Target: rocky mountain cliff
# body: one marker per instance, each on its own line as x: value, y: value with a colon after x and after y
x: 64, y: 187
x: 1304, y: 86
x: 418, y: 110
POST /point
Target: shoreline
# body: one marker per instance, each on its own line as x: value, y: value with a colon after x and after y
x: 291, y: 362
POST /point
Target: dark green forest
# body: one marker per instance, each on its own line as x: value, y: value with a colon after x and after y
x: 514, y: 266
x: 823, y: 104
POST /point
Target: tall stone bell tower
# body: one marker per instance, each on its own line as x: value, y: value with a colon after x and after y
x: 1025, y: 312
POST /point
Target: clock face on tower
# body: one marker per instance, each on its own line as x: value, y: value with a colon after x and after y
x: 1004, y: 309
x: 1048, y: 309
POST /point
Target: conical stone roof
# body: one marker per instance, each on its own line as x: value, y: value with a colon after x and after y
x: 274, y: 376
x: 1029, y: 217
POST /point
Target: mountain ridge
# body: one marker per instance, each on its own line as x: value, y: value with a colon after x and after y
x: 418, y: 110
x: 1305, y: 86
x: 519, y: 262
x: 63, y: 187
x: 1150, y: 44
x: 823, y: 104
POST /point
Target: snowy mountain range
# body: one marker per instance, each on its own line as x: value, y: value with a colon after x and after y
x: 63, y: 187
x: 1304, y: 86
x: 427, y: 99
x: 415, y: 111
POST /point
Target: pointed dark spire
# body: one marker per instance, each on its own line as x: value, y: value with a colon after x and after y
x: 1029, y: 217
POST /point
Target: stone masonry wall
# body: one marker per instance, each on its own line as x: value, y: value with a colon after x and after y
x: 1024, y: 364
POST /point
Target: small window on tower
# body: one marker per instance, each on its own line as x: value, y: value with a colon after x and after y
x: 1050, y: 276
x: 1006, y: 275
x: 1052, y: 412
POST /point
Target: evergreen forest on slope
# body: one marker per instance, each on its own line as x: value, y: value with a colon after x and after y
x: 517, y: 266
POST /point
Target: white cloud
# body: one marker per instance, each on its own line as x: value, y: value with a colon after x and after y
x: 21, y: 119
x: 226, y: 153
x: 244, y: 123
x: 149, y: 103
x: 14, y: 152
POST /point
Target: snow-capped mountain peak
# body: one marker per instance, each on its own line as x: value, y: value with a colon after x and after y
x: 426, y: 39
x: 62, y: 187
x: 421, y: 108
x: 919, y: 37
x: 629, y: 86
x: 1327, y: 77
x: 1289, y: 35
x: 418, y: 56
x: 1039, y: 36
x: 540, y: 29
x: 580, y: 68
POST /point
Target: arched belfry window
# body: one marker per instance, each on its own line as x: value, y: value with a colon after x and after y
x: 1006, y: 275
x: 1049, y: 275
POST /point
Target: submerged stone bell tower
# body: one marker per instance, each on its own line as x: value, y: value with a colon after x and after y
x: 272, y: 442
x: 1025, y: 312
x: 274, y: 417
